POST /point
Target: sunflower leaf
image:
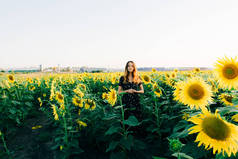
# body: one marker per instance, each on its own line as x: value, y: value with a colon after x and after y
x: 131, y: 121
x: 183, y: 155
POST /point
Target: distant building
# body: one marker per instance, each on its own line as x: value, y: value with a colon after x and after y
x: 41, y: 68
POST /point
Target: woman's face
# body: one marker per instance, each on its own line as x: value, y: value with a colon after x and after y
x: 130, y: 67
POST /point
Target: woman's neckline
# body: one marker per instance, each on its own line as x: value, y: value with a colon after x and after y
x: 128, y: 81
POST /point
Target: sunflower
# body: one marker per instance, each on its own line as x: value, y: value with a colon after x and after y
x: 189, y: 75
x: 36, y: 127
x: 82, y: 86
x: 95, y: 79
x: 40, y: 101
x: 29, y: 80
x: 153, y: 70
x: 213, y: 84
x: 11, y: 78
x: 112, y: 97
x: 62, y: 106
x: 79, y: 111
x: 81, y: 123
x: 113, y: 80
x: 146, y: 79
x: 80, y: 79
x: 59, y: 97
x: 167, y: 75
x: 157, y: 90
x: 55, y: 112
x: 185, y: 116
x: 90, y: 104
x: 196, y: 70
x: 5, y: 84
x: 170, y: 82
x: 227, y: 72
x: 235, y: 118
x: 101, y: 79
x: 214, y: 132
x: 93, y: 105
x: 226, y: 98
x: 173, y: 75
x: 104, y: 88
x: 104, y: 95
x: 78, y: 92
x: 77, y: 101
x: 175, y: 70
x: 177, y: 91
x: 195, y: 93
x: 32, y: 88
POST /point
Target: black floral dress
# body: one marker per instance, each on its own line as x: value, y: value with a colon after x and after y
x: 131, y: 100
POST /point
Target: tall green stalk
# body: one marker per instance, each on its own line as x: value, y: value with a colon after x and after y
x: 157, y: 115
x: 122, y: 113
x: 5, y: 145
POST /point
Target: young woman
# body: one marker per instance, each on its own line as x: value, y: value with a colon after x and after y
x: 131, y: 83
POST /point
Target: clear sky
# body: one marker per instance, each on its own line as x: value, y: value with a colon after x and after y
x: 108, y: 33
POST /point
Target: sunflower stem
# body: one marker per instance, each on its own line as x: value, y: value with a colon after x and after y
x: 65, y: 128
x: 122, y: 113
x: 5, y: 145
x: 157, y: 115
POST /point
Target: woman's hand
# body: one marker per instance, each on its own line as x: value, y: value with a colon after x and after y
x: 134, y: 91
x: 130, y: 91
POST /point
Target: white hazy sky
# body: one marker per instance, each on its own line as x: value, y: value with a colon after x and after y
x: 108, y: 33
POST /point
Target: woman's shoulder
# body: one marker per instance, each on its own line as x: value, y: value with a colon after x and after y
x: 122, y: 78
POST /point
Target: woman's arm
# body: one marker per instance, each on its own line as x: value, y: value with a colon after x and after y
x: 141, y: 89
x: 120, y: 90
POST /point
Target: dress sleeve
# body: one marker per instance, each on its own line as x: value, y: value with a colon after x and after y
x: 120, y: 81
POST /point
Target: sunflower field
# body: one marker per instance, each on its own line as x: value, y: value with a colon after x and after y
x: 186, y: 114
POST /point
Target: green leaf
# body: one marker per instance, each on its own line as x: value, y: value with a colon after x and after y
x: 14, y: 102
x: 117, y: 155
x: 28, y: 104
x: 111, y: 130
x: 183, y: 155
x: 139, y: 145
x: 131, y: 121
x: 127, y: 142
x: 227, y: 110
x: 235, y: 101
x: 154, y: 157
x: 112, y: 145
x: 12, y: 111
x: 69, y: 127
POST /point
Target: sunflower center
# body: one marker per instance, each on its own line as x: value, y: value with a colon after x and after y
x: 230, y: 71
x: 78, y: 101
x: 228, y: 98
x: 11, y: 78
x: 146, y: 78
x: 196, y: 91
x: 113, y: 95
x: 60, y: 97
x: 157, y: 90
x: 215, y: 128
